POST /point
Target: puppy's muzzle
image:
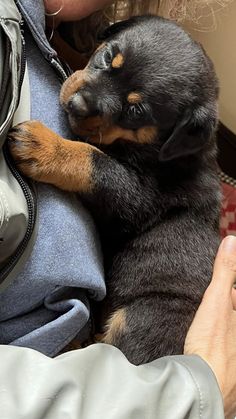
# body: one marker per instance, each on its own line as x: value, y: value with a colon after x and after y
x: 72, y: 86
x: 78, y: 106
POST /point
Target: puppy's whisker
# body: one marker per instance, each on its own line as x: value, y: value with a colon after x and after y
x: 100, y: 137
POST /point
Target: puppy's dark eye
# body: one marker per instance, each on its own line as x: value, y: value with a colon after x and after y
x: 135, y: 110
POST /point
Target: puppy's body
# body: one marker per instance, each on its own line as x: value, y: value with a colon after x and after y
x: 148, y: 100
x: 159, y: 246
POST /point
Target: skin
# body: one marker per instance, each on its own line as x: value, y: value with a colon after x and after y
x: 73, y: 10
x: 212, y: 334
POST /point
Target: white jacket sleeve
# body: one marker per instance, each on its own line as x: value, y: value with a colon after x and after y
x: 99, y: 383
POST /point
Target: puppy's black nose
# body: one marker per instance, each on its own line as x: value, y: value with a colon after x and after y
x: 78, y: 106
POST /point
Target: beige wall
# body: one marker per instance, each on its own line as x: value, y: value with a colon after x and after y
x: 220, y: 44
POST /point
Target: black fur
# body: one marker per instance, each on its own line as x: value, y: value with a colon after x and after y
x: 156, y: 205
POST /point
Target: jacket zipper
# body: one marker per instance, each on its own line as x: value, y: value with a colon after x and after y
x: 63, y: 71
x: 5, y: 80
x: 23, y: 56
x: 29, y: 194
x: 31, y: 201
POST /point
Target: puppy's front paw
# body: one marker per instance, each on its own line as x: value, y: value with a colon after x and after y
x: 34, y: 148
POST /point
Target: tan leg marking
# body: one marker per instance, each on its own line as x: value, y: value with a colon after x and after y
x: 46, y: 157
x: 116, y: 325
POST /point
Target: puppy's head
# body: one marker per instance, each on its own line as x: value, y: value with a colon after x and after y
x: 148, y: 82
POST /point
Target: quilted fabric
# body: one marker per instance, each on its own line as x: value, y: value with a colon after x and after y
x: 228, y: 210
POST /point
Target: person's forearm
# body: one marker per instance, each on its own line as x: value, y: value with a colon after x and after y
x: 99, y: 382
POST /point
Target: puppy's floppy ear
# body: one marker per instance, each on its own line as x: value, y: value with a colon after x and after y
x: 114, y: 28
x: 191, y: 133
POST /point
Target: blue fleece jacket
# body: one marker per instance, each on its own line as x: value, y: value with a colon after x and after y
x: 47, y: 304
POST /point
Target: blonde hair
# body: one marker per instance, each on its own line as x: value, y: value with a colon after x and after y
x: 85, y: 32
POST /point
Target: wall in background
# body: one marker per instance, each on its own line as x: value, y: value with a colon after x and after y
x: 220, y: 44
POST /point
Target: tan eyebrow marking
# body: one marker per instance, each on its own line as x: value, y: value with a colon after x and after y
x: 134, y: 97
x: 118, y: 61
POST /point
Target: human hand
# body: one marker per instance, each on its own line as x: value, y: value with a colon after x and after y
x: 212, y: 334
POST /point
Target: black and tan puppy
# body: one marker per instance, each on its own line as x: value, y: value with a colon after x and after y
x: 148, y: 100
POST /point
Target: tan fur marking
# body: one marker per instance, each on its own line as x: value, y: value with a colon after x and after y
x: 117, y: 61
x: 98, y: 337
x: 46, y: 157
x: 72, y: 85
x: 134, y: 97
x: 91, y: 125
x: 99, y: 131
x: 109, y: 134
x: 115, y: 326
x: 146, y: 135
x: 74, y: 167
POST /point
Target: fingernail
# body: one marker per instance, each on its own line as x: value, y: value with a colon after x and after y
x: 229, y: 244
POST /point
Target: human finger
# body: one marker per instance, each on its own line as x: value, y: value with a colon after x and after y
x: 224, y: 272
x: 234, y: 298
